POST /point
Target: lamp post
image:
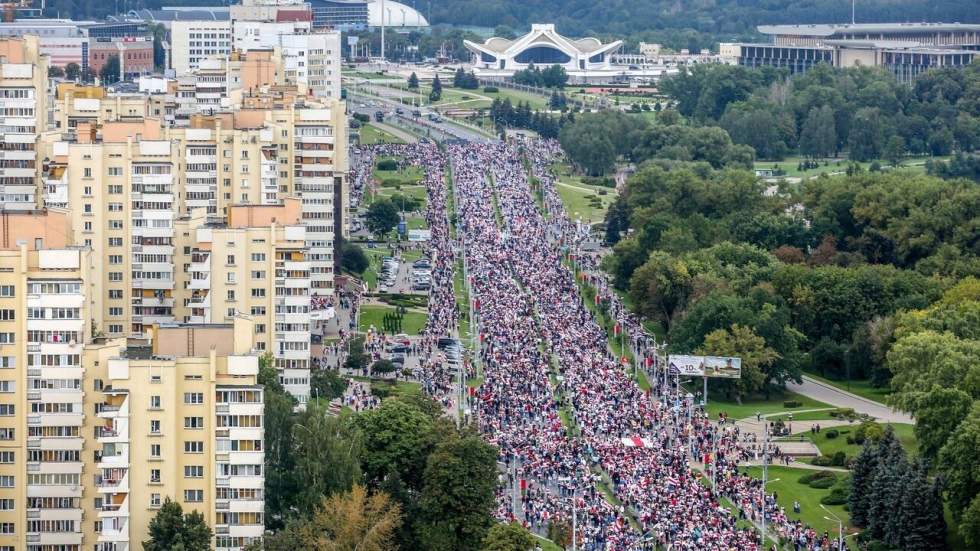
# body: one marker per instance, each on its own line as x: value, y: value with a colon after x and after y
x: 840, y: 527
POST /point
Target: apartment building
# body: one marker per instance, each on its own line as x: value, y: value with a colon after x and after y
x: 196, y: 40
x: 23, y: 115
x: 253, y: 262
x: 44, y: 322
x: 320, y: 178
x: 178, y: 416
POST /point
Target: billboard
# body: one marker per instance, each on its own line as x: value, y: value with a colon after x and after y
x: 686, y: 366
x: 705, y: 366
x: 722, y: 367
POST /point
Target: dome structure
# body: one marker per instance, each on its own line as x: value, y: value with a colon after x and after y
x: 396, y: 14
x: 543, y: 46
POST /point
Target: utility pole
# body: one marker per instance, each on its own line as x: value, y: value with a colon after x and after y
x: 765, y: 471
x: 382, y: 32
x: 852, y: 11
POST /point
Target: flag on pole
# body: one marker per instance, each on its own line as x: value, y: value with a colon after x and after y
x: 616, y: 329
x: 597, y: 299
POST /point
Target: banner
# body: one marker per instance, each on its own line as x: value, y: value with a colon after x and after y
x: 687, y: 366
x: 705, y: 366
x: 723, y: 367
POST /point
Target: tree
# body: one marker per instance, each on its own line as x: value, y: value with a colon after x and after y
x: 436, y: 93
x: 327, y: 384
x: 958, y: 463
x: 741, y: 342
x: 383, y: 367
x: 352, y: 258
x: 327, y: 453
x: 660, y: 287
x: 73, y: 71
x: 508, y: 537
x: 159, y: 32
x: 937, y: 414
x: 280, y: 481
x: 55, y: 72
x: 969, y: 528
x: 398, y: 438
x: 457, y: 499
x: 895, y: 150
x: 109, y: 73
x: 869, y: 133
x: 862, y: 475
x: 171, y: 529
x: 88, y: 75
x: 818, y: 138
x: 920, y: 522
x: 413, y: 81
x: 349, y: 521
x: 382, y: 217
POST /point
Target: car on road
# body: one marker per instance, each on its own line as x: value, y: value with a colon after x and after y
x: 379, y: 116
x: 399, y: 111
x: 422, y: 263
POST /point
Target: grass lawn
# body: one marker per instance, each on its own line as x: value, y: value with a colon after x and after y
x: 463, y: 303
x: 791, y: 165
x: 417, y: 223
x: 371, y: 274
x: 861, y: 387
x: 830, y: 446
x: 750, y: 406
x: 409, y: 175
x: 536, y: 101
x: 412, y: 323
x: 788, y: 489
x: 372, y: 135
x: 413, y: 191
x: 582, y: 200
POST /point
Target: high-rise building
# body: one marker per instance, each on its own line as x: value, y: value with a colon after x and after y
x: 253, y: 264
x: 23, y: 115
x: 194, y: 41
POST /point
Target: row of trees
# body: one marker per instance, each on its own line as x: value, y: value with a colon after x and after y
x: 552, y: 77
x: 597, y: 140
x: 504, y: 114
x: 109, y: 73
x: 826, y: 111
x: 895, y: 499
x: 398, y: 477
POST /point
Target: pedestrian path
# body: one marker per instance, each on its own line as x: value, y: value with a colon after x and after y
x: 829, y: 394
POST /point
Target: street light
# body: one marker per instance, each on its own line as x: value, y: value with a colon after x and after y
x: 840, y: 527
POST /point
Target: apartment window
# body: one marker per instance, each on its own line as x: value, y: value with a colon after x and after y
x: 230, y: 313
x: 258, y: 310
x: 230, y: 260
x: 193, y: 422
x: 6, y: 457
x: 6, y: 528
x: 6, y: 434
x: 6, y: 481
x: 115, y: 293
x: 114, y: 258
x: 154, y: 426
x: 87, y: 208
x: 88, y: 226
x: 115, y: 207
x: 115, y: 241
x: 154, y: 451
x: 193, y: 446
x: 154, y: 500
x: 6, y: 410
x: 87, y: 172
x: 115, y: 328
x: 154, y: 476
x: 193, y: 397
x: 7, y: 315
x: 115, y: 189
x: 259, y: 328
x: 6, y: 505
x: 6, y: 291
x: 193, y: 496
x: 258, y: 257
x: 193, y: 471
x: 231, y: 294
x: 7, y: 338
x: 258, y: 293
x: 115, y: 311
x: 115, y: 171
x: 8, y: 362
x: 87, y: 190
x: 116, y: 277
x: 115, y: 224
x: 155, y: 402
x: 7, y: 386
x: 231, y: 277
x: 258, y: 274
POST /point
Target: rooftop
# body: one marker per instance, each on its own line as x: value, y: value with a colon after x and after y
x: 832, y: 28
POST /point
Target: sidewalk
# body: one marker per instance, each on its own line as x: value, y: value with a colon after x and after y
x: 837, y: 397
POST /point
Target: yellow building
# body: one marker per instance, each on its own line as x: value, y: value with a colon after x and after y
x: 23, y: 115
x: 178, y: 417
x: 254, y: 264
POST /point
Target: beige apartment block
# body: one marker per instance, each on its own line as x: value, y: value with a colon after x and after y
x: 23, y: 115
x: 178, y: 416
x: 44, y: 322
x: 254, y: 262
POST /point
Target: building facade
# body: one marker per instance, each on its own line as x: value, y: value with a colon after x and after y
x: 24, y: 110
x: 194, y: 41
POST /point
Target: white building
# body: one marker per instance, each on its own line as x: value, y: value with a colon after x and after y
x: 309, y: 59
x: 543, y: 47
x: 194, y: 41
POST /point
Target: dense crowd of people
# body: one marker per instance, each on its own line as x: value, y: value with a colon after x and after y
x: 578, y: 438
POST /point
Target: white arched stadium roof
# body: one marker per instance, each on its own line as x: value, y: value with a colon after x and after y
x: 396, y: 14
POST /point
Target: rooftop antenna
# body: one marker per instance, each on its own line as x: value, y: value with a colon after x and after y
x: 852, y: 11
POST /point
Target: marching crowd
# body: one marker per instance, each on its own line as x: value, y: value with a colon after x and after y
x: 571, y: 424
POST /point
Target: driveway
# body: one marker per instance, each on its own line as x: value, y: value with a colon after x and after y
x: 836, y: 397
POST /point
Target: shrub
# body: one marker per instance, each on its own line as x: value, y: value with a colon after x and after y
x: 821, y: 461
x: 837, y: 496
x: 869, y: 430
x: 381, y: 391
x: 791, y: 404
x: 602, y: 192
x: 814, y: 476
x: 831, y: 434
x: 387, y: 164
x: 362, y: 117
x: 846, y: 413
x: 822, y: 483
x: 839, y: 459
x: 491, y: 89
